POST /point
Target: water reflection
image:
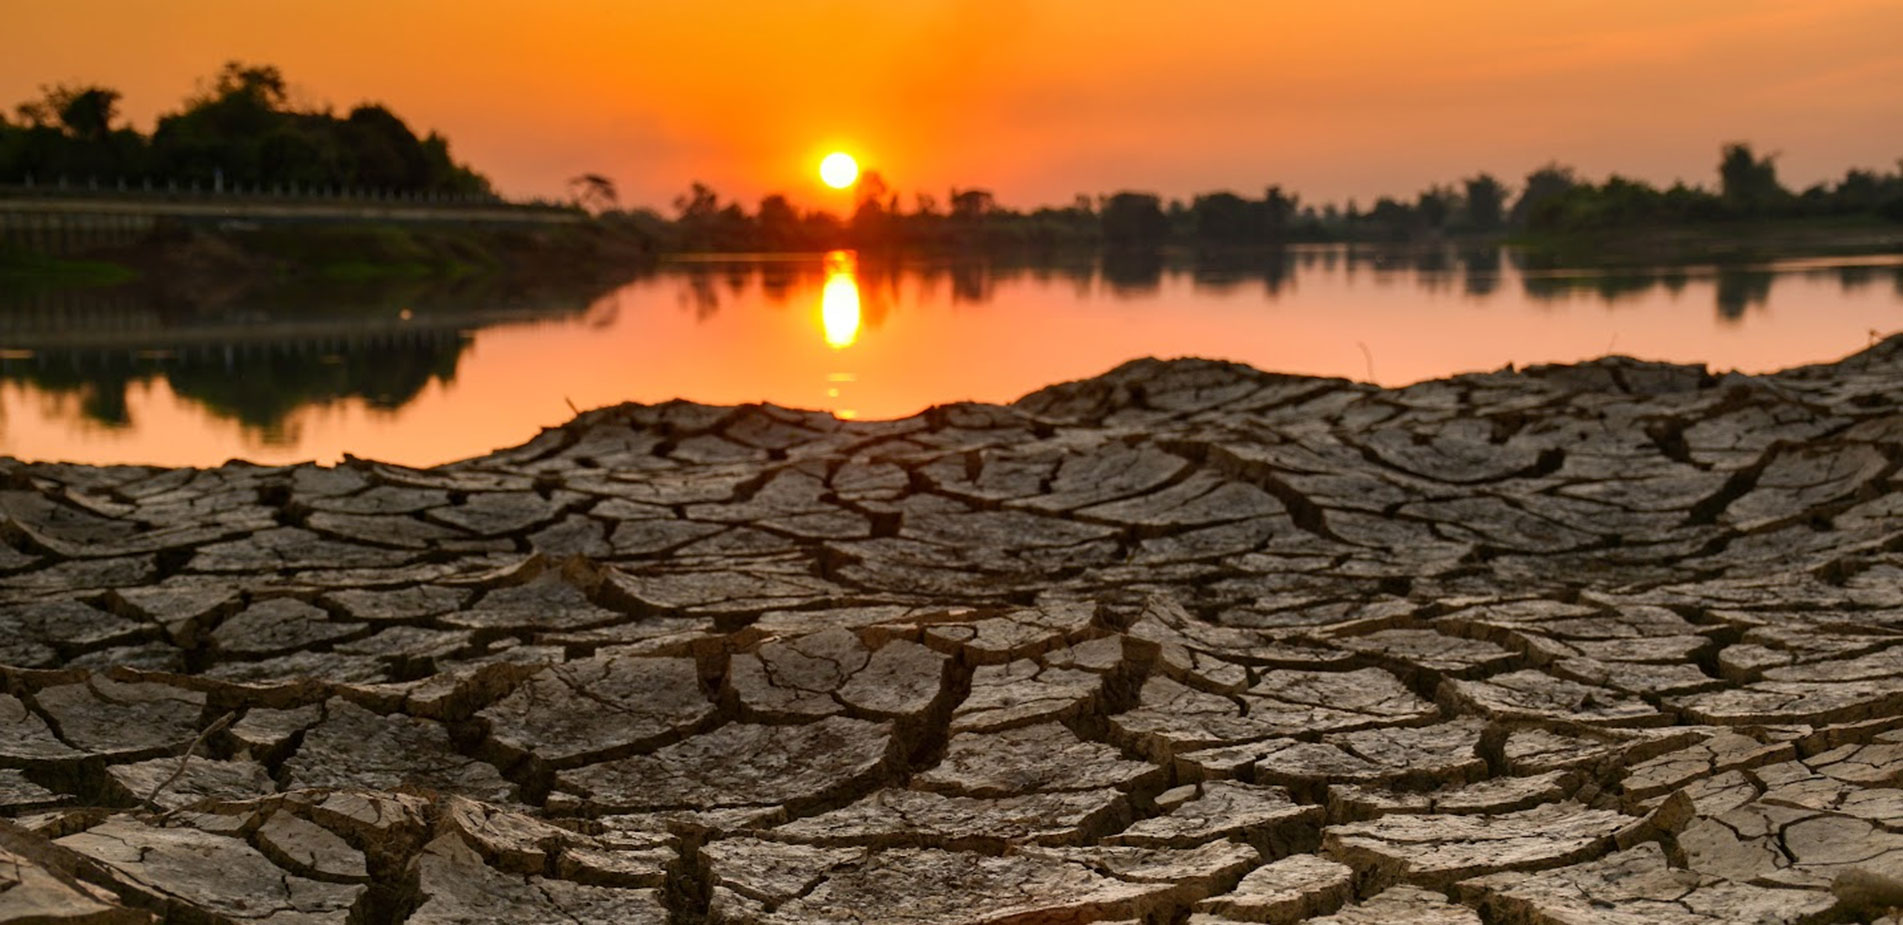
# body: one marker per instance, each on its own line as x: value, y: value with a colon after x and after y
x: 839, y: 301
x: 1741, y: 290
x: 424, y: 375
x: 257, y: 359
x: 258, y: 385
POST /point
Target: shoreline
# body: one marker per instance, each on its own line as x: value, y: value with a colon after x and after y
x: 359, y: 252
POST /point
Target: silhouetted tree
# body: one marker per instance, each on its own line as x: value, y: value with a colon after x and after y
x: 1133, y: 220
x: 1542, y: 185
x: 1486, y: 202
x: 84, y: 113
x: 971, y: 204
x: 1749, y: 183
x: 1279, y: 212
x: 594, y: 191
x: 239, y: 127
x: 778, y: 223
x: 870, y: 219
x: 699, y: 203
x: 1435, y: 206
x: 1226, y: 218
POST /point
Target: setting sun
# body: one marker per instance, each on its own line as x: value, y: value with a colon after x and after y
x: 839, y: 170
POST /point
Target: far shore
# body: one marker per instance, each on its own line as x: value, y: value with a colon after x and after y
x: 187, y: 258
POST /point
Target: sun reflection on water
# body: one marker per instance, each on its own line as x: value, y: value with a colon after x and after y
x: 839, y: 301
x: 839, y: 321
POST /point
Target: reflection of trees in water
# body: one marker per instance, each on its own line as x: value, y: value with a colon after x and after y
x: 1855, y: 277
x: 1137, y: 272
x: 1739, y: 290
x: 1480, y: 270
x: 1226, y: 269
x: 1674, y: 280
x: 258, y: 386
x: 777, y: 280
x: 971, y: 281
x: 699, y: 293
x: 1133, y: 271
x: 258, y: 361
x: 1608, y: 285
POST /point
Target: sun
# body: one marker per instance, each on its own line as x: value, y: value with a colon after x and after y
x: 839, y: 170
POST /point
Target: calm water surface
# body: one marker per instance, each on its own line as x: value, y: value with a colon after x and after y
x: 427, y: 377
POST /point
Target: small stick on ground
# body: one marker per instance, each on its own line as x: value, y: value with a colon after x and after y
x: 151, y: 799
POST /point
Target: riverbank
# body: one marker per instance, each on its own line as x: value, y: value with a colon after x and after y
x: 204, y: 259
x: 194, y: 260
x: 1184, y: 638
x: 1727, y: 243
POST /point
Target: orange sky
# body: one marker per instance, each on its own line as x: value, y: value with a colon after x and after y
x: 1036, y: 101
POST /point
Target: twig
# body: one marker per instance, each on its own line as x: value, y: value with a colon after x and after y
x: 571, y: 404
x: 152, y: 799
x: 1369, y: 356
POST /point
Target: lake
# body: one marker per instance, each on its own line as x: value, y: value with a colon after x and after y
x: 422, y: 375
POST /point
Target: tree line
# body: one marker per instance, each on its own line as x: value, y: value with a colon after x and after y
x: 242, y: 131
x: 1552, y: 199
x: 239, y: 131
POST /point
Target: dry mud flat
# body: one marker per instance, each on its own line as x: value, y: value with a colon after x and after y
x: 1616, y: 642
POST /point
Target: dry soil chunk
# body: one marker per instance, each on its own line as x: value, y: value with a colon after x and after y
x: 219, y: 874
x: 891, y: 818
x: 35, y: 894
x: 759, y: 882
x: 1637, y: 887
x: 355, y: 748
x: 1402, y: 905
x: 201, y: 779
x: 277, y: 626
x: 311, y: 850
x: 1292, y: 888
x: 1024, y: 692
x: 590, y: 708
x: 107, y: 717
x: 457, y: 888
x: 1535, y: 695
x: 740, y: 765
x: 1439, y: 849
x: 1226, y: 809
x: 1030, y: 759
x: 24, y: 737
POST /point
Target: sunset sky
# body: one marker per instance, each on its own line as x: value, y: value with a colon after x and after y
x: 1036, y: 101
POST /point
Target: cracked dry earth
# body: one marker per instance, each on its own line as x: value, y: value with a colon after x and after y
x: 1616, y: 642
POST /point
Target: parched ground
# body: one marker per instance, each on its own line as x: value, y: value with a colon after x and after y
x: 1616, y: 642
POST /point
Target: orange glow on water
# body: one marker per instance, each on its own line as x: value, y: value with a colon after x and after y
x: 839, y: 314
x: 745, y: 332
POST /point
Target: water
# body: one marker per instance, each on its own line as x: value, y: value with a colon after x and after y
x: 427, y: 376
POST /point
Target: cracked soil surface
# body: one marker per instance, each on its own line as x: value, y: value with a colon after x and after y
x: 1188, y: 642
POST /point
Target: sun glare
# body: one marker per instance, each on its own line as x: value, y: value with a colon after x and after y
x: 839, y: 170
x: 839, y: 301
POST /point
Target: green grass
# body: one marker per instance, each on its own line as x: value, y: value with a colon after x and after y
x: 364, y: 253
x: 40, y: 270
x: 1716, y: 242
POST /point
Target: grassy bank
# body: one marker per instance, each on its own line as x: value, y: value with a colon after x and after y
x: 23, y: 269
x: 190, y: 258
x: 1717, y: 242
